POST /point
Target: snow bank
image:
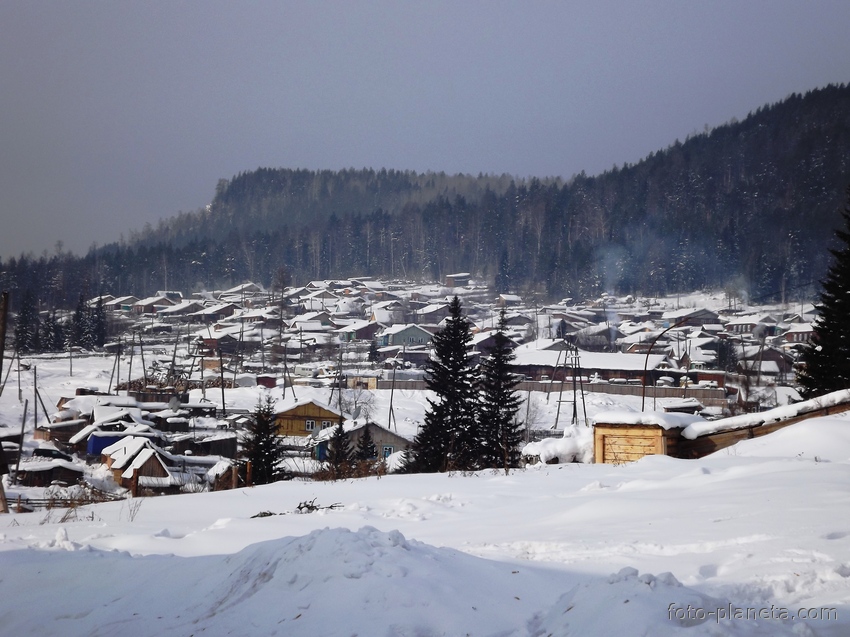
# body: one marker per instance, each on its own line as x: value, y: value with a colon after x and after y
x: 330, y: 582
x: 821, y: 439
x: 575, y: 446
x: 774, y: 415
x: 632, y: 604
x: 335, y: 582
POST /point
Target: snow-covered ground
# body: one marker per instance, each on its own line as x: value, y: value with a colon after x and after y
x: 657, y: 547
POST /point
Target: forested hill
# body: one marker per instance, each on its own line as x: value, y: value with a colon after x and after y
x: 751, y: 204
x: 267, y: 199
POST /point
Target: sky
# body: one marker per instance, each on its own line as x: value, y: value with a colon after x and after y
x: 118, y: 114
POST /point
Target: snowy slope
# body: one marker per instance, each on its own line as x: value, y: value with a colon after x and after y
x: 551, y: 550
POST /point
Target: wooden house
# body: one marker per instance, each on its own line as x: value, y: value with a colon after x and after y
x: 148, y: 473
x: 42, y: 472
x: 358, y: 331
x: 305, y: 417
x: 151, y: 305
x: 386, y: 442
x: 689, y: 317
x: 458, y: 280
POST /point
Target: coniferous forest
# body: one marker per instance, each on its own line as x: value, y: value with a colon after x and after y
x: 750, y: 206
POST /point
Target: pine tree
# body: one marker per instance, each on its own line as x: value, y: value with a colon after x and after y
x: 366, y: 449
x: 501, y: 434
x: 339, y: 452
x: 81, y: 334
x: 263, y: 448
x: 449, y: 440
x: 52, y: 335
x: 372, y: 357
x: 826, y: 361
x: 27, y: 325
x: 97, y: 322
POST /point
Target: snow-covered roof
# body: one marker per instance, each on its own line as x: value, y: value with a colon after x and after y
x: 778, y: 414
x: 663, y: 419
x: 590, y: 360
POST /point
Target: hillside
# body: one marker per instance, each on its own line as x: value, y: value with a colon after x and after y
x: 749, y: 205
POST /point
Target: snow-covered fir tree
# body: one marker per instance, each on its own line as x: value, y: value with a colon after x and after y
x: 449, y: 439
x: 263, y: 448
x: 339, y: 452
x: 826, y: 361
x: 27, y: 325
x: 366, y: 449
x: 500, y: 431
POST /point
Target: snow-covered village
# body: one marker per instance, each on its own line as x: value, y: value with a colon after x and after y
x: 665, y: 466
x: 424, y: 319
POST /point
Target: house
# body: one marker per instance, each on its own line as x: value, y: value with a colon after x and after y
x: 764, y: 361
x: 432, y: 313
x: 149, y: 472
x: 689, y: 317
x: 151, y: 305
x: 617, y: 367
x: 387, y: 312
x: 122, y: 303
x: 215, y: 313
x: 318, y: 301
x: 306, y: 416
x: 799, y: 333
x: 458, y: 280
x: 596, y: 338
x: 42, y: 472
x: 386, y: 442
x: 401, y: 335
x: 358, y: 331
x: 181, y: 309
x: 749, y: 324
x: 508, y: 300
x: 321, y: 316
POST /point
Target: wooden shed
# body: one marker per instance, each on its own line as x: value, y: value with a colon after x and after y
x: 615, y: 443
x: 627, y: 436
x: 620, y: 437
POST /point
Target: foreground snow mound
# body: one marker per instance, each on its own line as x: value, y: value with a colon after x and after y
x: 658, y: 606
x: 331, y: 582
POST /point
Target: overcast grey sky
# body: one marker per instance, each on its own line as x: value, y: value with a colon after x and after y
x: 113, y: 114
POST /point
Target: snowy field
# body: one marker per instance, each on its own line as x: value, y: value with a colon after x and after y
x: 657, y: 547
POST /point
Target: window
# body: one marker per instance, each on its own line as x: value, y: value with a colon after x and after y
x: 310, y: 425
x: 326, y: 424
x: 387, y: 451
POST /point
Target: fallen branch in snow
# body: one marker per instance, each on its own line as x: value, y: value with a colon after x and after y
x: 311, y: 506
x: 303, y: 507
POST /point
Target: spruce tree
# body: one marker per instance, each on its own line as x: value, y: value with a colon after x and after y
x: 501, y: 434
x: 449, y: 439
x: 339, y: 452
x: 826, y: 361
x: 27, y: 325
x: 366, y: 449
x: 97, y: 322
x: 81, y: 334
x: 52, y: 336
x: 263, y: 449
